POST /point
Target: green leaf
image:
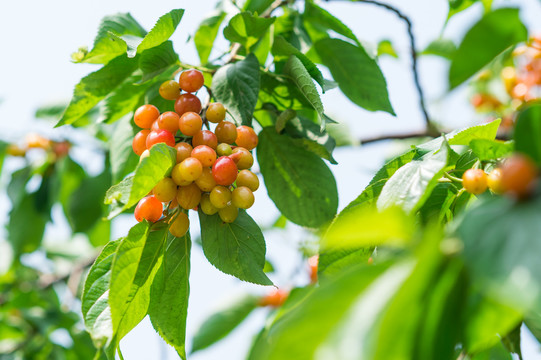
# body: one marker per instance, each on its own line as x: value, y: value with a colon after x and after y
x: 316, y: 16
x: 262, y: 48
x: 237, y: 87
x: 147, y: 174
x: 134, y: 267
x: 298, y: 181
x: 224, y: 320
x: 257, y: 6
x: 357, y: 74
x: 54, y: 111
x: 533, y: 321
x: 410, y: 186
x: 246, y: 28
x: 280, y: 94
x: 106, y: 45
x: 300, y: 76
x: 489, y: 37
x: 122, y: 100
x: 527, y: 133
x: 170, y: 291
x: 22, y: 237
x: 367, y: 227
x: 161, y: 32
x: 385, y: 47
x: 95, y: 299
x: 491, y: 149
x: 282, y: 48
x: 309, y: 136
x: 3, y: 147
x: 85, y: 207
x: 156, y: 60
x: 237, y: 248
x: 457, y: 6
x: 96, y: 86
x: 298, y: 334
x: 498, y: 248
x: 333, y: 261
x: 123, y: 159
x: 206, y: 35
x: 444, y: 48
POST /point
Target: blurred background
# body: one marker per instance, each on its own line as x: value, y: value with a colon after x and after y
x: 36, y: 70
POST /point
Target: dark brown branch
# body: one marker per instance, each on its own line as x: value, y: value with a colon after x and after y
x: 413, y: 54
x: 412, y: 135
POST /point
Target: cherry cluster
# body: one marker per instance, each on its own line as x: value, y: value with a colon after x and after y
x: 213, y: 168
x: 516, y: 177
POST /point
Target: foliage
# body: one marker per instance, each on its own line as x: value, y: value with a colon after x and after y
x: 414, y: 261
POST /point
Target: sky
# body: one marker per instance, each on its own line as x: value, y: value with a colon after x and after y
x: 35, y: 70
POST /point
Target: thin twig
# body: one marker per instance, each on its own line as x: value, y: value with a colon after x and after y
x: 48, y: 280
x: 413, y: 54
x: 412, y: 135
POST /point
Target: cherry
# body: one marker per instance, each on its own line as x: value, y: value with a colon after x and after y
x: 215, y: 112
x: 248, y: 179
x: 205, y: 137
x: 190, y: 123
x: 36, y: 141
x: 242, y: 197
x: 190, y: 169
x: 169, y: 121
x: 176, y: 175
x: 226, y: 132
x: 139, y: 143
x: 189, y: 196
x: 518, y: 176
x: 206, y: 205
x: 220, y: 196
x: 186, y: 103
x: 229, y: 213
x: 191, y: 80
x: 184, y: 151
x: 62, y: 148
x: 169, y: 90
x: 165, y: 190
x: 15, y: 150
x: 206, y: 155
x: 155, y: 126
x: 313, y: 264
x: 246, y: 137
x: 148, y: 208
x: 474, y: 181
x: 206, y: 181
x: 224, y: 171
x: 275, y: 298
x: 179, y: 227
x: 245, y: 160
x: 160, y: 136
x: 145, y: 115
x: 224, y: 149
x: 494, y: 181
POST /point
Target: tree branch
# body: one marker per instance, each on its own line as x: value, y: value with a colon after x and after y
x: 48, y: 280
x: 411, y: 135
x: 413, y: 54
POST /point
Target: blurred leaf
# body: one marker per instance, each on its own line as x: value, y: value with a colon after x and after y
x: 498, y: 352
x: 96, y: 86
x: 444, y: 48
x: 26, y: 225
x: 357, y: 74
x: 385, y: 47
x: 457, y: 6
x: 123, y: 159
x: 206, y: 35
x: 106, y: 46
x: 527, y: 133
x: 491, y: 149
x: 512, y: 341
x: 282, y: 48
x: 147, y: 174
x: 325, y: 21
x: 224, y: 320
x: 411, y: 185
x: 170, y: 291
x: 237, y: 87
x: 246, y: 28
x: 300, y: 76
x: 494, y: 33
x: 334, y: 261
x: 95, y: 299
x: 53, y: 112
x: 533, y: 321
x: 268, y: 268
x: 499, y: 248
x: 257, y: 6
x: 299, y: 182
x: 236, y: 249
x: 137, y: 259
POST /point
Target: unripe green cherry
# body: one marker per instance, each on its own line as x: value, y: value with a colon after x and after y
x: 242, y: 197
x: 229, y: 213
x: 220, y: 196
